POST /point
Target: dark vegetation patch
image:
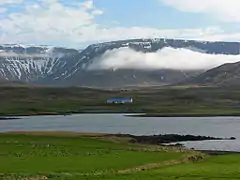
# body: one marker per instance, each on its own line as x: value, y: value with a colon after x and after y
x: 169, y: 138
x: 8, y: 118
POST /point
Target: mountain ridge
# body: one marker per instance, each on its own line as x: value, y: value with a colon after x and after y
x: 61, y: 66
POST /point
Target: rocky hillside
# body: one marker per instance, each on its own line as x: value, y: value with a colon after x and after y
x: 30, y: 63
x: 225, y: 75
x: 69, y: 67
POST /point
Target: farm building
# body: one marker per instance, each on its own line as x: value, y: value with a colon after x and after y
x: 120, y: 101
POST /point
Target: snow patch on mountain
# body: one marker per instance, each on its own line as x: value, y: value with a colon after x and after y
x: 26, y: 69
x: 33, y: 62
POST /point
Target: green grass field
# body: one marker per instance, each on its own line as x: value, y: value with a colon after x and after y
x: 28, y: 156
x: 78, y: 157
x: 225, y: 167
x: 156, y: 101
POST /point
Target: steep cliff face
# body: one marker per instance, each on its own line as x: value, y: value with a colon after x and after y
x: 30, y: 63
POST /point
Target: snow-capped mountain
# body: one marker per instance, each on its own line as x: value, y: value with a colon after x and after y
x: 67, y: 67
x: 30, y: 62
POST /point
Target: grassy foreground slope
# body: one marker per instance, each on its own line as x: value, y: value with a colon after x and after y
x: 56, y: 157
x: 225, y: 167
x: 162, y: 101
x: 59, y: 156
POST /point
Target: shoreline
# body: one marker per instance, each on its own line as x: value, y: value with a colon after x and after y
x: 160, y: 139
x: 184, y: 115
x: 64, y: 114
x: 128, y: 138
x: 217, y: 153
x: 127, y: 114
x: 8, y: 118
x: 124, y: 138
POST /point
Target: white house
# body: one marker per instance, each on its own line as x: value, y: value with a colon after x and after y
x: 120, y: 101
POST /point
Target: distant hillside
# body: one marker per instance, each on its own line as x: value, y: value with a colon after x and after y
x: 225, y: 75
x: 70, y: 67
x: 4, y: 82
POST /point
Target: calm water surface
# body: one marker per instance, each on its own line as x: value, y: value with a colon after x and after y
x: 118, y: 123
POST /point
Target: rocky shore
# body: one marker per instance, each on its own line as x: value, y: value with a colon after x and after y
x: 169, y: 138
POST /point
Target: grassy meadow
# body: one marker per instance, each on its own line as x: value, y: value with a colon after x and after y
x: 155, y: 101
x: 69, y: 156
x: 23, y: 156
x: 225, y: 167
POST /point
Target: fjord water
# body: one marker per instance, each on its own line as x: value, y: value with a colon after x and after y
x: 223, y: 127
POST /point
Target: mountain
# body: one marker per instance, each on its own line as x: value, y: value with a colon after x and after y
x: 30, y: 63
x: 225, y: 75
x: 4, y: 82
x: 69, y: 67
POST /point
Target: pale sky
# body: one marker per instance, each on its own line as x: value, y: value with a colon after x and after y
x: 77, y: 23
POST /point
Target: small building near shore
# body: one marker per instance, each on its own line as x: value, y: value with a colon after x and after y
x: 120, y: 100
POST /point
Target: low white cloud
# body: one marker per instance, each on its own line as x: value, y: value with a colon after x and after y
x: 49, y: 21
x: 3, y: 9
x: 167, y: 58
x: 4, y: 2
x: 223, y: 10
x: 87, y: 4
